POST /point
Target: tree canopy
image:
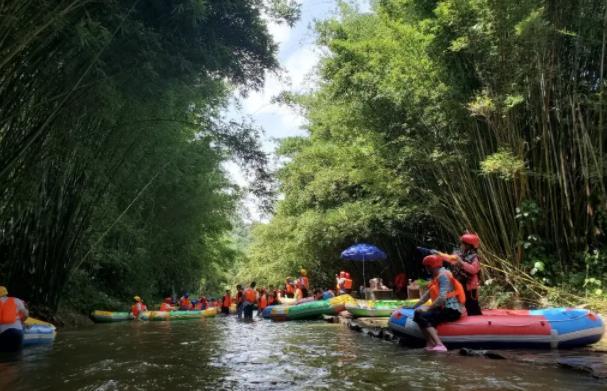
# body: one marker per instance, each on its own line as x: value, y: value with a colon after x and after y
x: 436, y: 117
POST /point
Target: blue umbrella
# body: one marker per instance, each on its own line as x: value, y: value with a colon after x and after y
x: 363, y: 252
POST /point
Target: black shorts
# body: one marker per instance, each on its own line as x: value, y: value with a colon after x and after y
x: 435, y: 316
x: 472, y: 306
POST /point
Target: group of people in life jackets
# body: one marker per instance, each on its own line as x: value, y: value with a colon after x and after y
x: 13, y: 314
x: 453, y: 292
x: 259, y: 298
x: 184, y: 303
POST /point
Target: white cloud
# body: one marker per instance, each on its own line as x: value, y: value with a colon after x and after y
x: 281, y: 32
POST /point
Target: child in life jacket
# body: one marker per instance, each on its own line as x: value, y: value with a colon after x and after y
x: 448, y: 299
x: 467, y: 267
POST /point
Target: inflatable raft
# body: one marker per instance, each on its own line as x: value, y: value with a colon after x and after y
x: 376, y: 308
x: 110, y: 316
x: 177, y: 315
x: 37, y: 332
x: 275, y: 312
x: 543, y: 328
x: 309, y: 310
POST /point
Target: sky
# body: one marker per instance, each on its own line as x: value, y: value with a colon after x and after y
x: 298, y: 57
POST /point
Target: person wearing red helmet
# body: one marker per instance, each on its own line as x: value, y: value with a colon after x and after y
x: 448, y: 297
x: 467, y: 267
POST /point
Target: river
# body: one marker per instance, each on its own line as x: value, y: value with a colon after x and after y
x: 224, y: 354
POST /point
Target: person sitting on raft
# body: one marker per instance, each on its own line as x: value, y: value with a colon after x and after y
x: 289, y: 288
x: 447, y: 296
x: 184, y: 302
x: 204, y: 303
x: 226, y: 302
x: 138, y: 307
x: 250, y: 299
x: 272, y: 297
x: 12, y: 315
x: 467, y: 268
x: 167, y: 304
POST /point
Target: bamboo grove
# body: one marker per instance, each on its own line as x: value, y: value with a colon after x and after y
x: 111, y: 142
x: 432, y: 117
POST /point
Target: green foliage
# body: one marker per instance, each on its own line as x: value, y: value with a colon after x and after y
x: 111, y: 143
x: 418, y: 96
x: 503, y: 164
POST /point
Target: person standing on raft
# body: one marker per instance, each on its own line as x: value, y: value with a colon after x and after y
x: 467, y: 267
x: 250, y: 299
x: 447, y: 296
x: 12, y: 315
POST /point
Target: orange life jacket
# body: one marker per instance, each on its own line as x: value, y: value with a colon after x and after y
x: 165, y: 307
x: 8, y: 311
x: 347, y: 283
x: 227, y: 301
x: 263, y: 302
x: 250, y: 295
x: 185, y: 303
x: 458, y: 289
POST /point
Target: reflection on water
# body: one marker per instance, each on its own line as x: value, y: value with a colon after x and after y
x: 222, y: 353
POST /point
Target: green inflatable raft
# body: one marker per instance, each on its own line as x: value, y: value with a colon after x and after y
x: 311, y: 310
x: 177, y: 315
x: 376, y: 308
x: 110, y: 316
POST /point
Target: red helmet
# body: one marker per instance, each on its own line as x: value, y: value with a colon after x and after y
x: 347, y: 275
x: 471, y: 239
x: 433, y: 261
